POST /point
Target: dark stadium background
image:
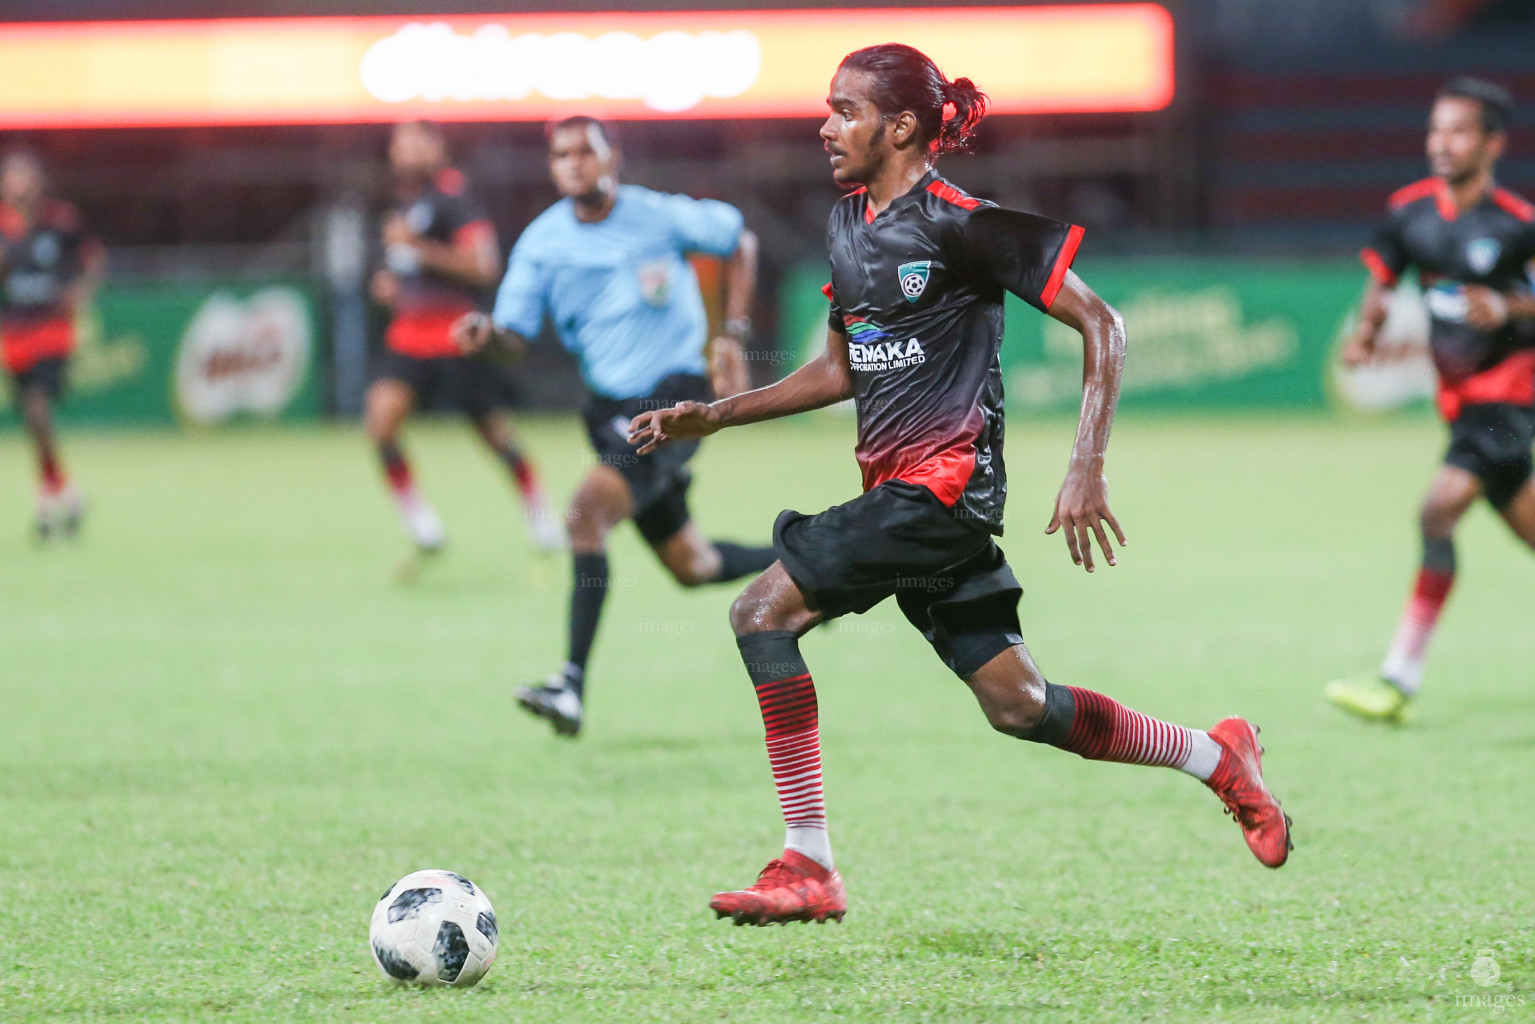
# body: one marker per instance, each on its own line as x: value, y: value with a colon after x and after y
x: 1292, y: 120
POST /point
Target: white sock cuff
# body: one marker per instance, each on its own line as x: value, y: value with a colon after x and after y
x: 1204, y: 755
x: 809, y: 842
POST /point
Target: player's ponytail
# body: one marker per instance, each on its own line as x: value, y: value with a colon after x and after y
x: 906, y: 79
x: 969, y: 107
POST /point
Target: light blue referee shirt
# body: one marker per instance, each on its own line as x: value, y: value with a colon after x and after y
x: 622, y: 296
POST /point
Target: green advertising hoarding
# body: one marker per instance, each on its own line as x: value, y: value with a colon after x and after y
x: 1202, y: 333
x: 195, y: 353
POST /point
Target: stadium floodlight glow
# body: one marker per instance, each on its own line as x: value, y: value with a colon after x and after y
x: 522, y: 67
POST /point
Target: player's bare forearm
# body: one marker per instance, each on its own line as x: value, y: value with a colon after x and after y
x: 1372, y: 316
x: 1082, y: 506
x: 726, y: 353
x: 823, y: 381
x: 727, y: 366
x: 474, y: 266
x: 741, y: 281
x: 1103, y: 364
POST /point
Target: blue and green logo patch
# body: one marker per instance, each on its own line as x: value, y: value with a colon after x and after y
x: 913, y: 277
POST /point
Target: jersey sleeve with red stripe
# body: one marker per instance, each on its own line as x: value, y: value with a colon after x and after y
x: 1024, y: 253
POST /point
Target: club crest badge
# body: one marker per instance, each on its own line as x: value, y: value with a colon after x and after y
x: 1482, y: 254
x: 913, y: 277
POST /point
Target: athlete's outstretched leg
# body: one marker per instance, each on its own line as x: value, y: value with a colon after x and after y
x: 601, y: 502
x: 495, y: 430
x: 1451, y: 494
x: 802, y: 884
x: 388, y: 403
x: 1384, y: 694
x: 694, y: 560
x: 1519, y: 513
x: 1018, y: 701
x: 57, y: 503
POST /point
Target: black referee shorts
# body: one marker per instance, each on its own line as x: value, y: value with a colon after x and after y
x: 1493, y: 442
x: 658, y: 481
x: 948, y: 575
x: 471, y: 385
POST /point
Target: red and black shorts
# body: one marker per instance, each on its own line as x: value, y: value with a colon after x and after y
x: 472, y: 385
x: 1493, y: 441
x: 946, y: 572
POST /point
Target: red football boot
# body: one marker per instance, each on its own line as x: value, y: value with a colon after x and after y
x: 791, y: 888
x: 1238, y: 781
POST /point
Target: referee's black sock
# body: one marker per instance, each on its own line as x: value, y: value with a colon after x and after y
x: 737, y: 560
x: 589, y: 590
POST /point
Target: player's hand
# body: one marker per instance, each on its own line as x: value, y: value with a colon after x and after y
x: 1081, y: 509
x: 1486, y: 309
x: 1359, y: 350
x: 397, y: 231
x: 385, y: 287
x: 472, y: 332
x: 685, y: 421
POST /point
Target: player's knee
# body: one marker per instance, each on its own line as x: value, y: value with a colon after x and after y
x: 755, y: 611
x: 1015, y: 718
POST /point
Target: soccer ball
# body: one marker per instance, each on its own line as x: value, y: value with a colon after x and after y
x: 434, y: 928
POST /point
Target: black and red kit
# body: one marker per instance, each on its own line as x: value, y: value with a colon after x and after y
x: 39, y: 262
x: 418, y: 343
x: 429, y: 302
x: 1486, y: 378
x: 918, y: 292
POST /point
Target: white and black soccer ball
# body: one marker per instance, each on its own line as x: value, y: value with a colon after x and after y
x: 434, y: 928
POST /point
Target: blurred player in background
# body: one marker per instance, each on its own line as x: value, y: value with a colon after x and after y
x: 51, y: 269
x: 1473, y: 243
x: 440, y: 258
x: 608, y: 265
x: 918, y: 273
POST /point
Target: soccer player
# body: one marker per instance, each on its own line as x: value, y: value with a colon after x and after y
x: 440, y: 256
x: 1473, y: 243
x: 918, y: 270
x: 607, y: 264
x: 50, y: 269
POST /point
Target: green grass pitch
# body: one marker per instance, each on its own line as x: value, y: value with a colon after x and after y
x: 225, y: 731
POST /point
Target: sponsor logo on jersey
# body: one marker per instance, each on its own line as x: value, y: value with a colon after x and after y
x: 913, y: 277
x: 861, y: 331
x: 871, y: 350
x: 1482, y: 254
x: 655, y: 279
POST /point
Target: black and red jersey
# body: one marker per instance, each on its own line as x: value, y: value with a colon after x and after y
x: 428, y: 302
x: 918, y: 291
x: 39, y: 261
x: 1491, y: 244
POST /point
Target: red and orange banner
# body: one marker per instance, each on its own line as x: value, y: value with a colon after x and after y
x: 520, y: 67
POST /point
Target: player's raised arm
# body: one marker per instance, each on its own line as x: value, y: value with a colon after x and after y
x: 823, y: 381
x: 725, y: 351
x: 1082, y: 506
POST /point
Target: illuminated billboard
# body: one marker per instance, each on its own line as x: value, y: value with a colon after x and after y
x: 522, y: 67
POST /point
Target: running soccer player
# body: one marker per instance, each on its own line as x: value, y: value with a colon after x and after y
x: 440, y: 257
x: 50, y: 269
x: 918, y: 270
x: 607, y: 265
x: 1473, y: 243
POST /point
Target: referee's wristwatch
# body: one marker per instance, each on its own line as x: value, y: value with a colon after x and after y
x: 738, y: 327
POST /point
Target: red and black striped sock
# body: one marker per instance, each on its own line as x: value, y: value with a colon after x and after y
x: 49, y: 472
x: 395, y: 467
x: 786, y: 694
x: 1100, y: 728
